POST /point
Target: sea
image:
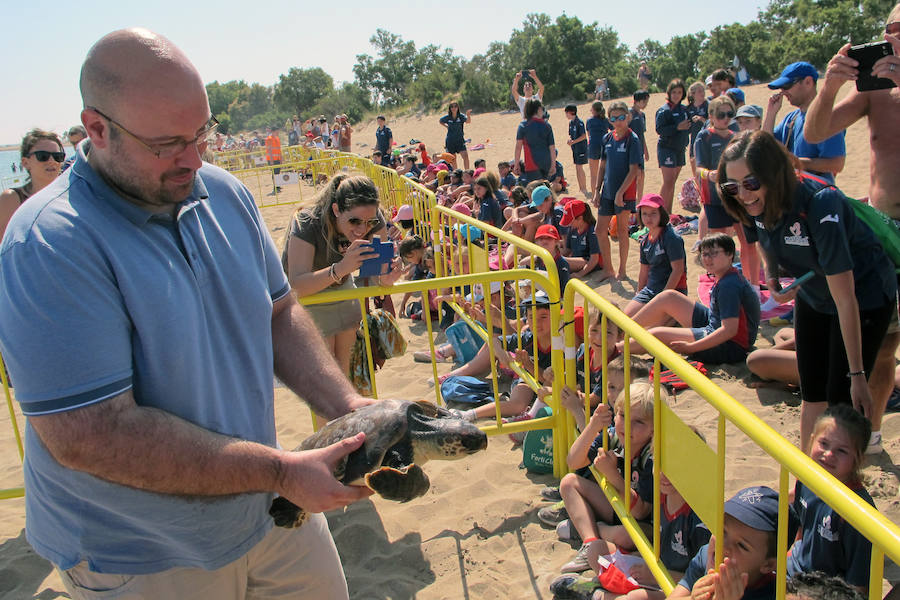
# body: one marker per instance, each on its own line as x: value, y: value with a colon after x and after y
x: 8, y: 158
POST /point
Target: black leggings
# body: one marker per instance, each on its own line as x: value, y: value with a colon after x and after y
x: 822, y: 356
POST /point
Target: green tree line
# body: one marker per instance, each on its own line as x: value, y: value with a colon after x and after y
x: 567, y: 54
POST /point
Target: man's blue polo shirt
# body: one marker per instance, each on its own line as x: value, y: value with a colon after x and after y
x: 98, y: 296
x: 790, y: 133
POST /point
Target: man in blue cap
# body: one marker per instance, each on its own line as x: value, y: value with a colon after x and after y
x: 798, y: 84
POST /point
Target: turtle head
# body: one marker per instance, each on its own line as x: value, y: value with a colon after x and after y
x: 436, y: 434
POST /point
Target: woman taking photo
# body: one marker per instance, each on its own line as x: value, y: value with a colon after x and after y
x: 326, y: 244
x: 673, y: 125
x: 453, y: 122
x: 804, y: 224
x: 42, y: 156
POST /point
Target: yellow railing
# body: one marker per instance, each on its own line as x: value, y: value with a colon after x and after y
x: 691, y: 465
x: 16, y: 492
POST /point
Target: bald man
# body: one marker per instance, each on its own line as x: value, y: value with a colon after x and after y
x: 142, y: 308
x: 882, y: 109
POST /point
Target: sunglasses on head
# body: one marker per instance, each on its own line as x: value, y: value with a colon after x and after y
x: 44, y: 156
x: 356, y: 222
x: 613, y: 119
x: 725, y: 115
x: 749, y: 183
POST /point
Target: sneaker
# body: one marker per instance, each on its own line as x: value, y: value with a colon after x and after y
x: 574, y: 587
x: 553, y: 514
x: 518, y: 438
x: 463, y: 415
x: 566, y: 531
x: 874, y: 446
x: 580, y: 563
x: 551, y: 493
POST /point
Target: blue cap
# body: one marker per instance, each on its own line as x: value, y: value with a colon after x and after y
x: 465, y: 230
x: 539, y: 195
x: 736, y: 93
x: 793, y: 72
x: 755, y: 507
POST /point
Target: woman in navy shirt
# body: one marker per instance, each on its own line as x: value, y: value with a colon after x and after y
x: 805, y: 224
x: 673, y: 126
x: 453, y: 122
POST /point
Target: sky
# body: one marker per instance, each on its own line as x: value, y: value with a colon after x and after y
x: 46, y: 43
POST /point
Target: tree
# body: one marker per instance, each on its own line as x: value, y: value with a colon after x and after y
x: 300, y: 89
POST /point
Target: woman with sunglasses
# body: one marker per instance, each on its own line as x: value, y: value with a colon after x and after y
x: 804, y: 225
x: 453, y: 122
x: 325, y: 245
x: 707, y: 150
x: 42, y: 156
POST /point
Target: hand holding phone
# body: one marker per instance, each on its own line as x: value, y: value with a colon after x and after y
x: 867, y: 55
x: 380, y: 263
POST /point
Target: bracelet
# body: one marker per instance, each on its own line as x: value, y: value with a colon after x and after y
x: 332, y: 272
x: 855, y: 373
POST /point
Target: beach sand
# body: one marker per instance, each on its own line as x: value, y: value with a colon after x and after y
x: 475, y: 534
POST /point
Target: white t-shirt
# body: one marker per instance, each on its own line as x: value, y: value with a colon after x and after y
x: 522, y: 100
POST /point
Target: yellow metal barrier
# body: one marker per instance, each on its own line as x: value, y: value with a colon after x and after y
x: 16, y: 492
x: 690, y: 464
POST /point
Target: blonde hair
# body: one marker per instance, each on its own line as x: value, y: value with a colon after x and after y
x: 718, y: 101
x: 642, y: 397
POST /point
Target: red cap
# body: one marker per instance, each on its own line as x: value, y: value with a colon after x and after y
x: 547, y: 231
x: 651, y: 200
x: 574, y: 209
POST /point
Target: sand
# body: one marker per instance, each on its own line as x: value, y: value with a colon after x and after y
x: 475, y: 534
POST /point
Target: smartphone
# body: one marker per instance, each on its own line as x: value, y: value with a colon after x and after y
x: 377, y: 265
x: 867, y: 55
x: 526, y: 75
x: 799, y: 281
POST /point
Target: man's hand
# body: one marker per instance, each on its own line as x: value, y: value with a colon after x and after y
x: 888, y: 67
x: 775, y: 101
x: 841, y: 68
x: 307, y: 477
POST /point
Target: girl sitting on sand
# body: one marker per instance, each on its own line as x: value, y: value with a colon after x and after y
x: 662, y: 255
x: 581, y: 249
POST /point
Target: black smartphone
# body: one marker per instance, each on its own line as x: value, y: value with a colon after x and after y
x: 526, y: 75
x: 867, y: 55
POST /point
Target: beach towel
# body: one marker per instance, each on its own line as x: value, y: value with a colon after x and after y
x: 705, y: 283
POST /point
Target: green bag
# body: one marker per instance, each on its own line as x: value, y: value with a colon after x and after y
x: 537, y: 449
x: 882, y: 226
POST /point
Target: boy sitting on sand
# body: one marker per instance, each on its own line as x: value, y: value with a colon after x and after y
x: 725, y: 331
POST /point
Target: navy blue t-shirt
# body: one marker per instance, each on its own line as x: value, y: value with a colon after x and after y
x: 828, y: 543
x: 526, y: 342
x: 508, y: 181
x: 576, y: 130
x: 821, y: 233
x: 537, y: 137
x: 658, y: 254
x: 641, y: 466
x: 489, y: 211
x: 562, y: 267
x: 708, y: 150
x: 697, y: 111
x: 383, y: 137
x: 582, y: 245
x: 682, y: 534
x: 596, y: 129
x: 454, y: 127
x: 733, y: 297
x: 619, y: 156
x: 638, y: 125
x: 667, y: 119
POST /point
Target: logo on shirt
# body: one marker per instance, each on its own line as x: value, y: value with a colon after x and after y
x: 825, y: 530
x: 796, y: 239
x: 829, y: 219
x: 678, y: 543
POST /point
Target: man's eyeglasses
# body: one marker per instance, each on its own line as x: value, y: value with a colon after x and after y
x: 749, y: 183
x: 370, y: 223
x: 166, y: 149
x: 613, y: 119
x: 725, y: 115
x: 44, y: 156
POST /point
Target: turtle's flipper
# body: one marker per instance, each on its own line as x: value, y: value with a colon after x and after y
x: 287, y: 514
x: 401, y: 484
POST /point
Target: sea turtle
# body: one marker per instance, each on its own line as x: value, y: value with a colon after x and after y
x: 400, y: 437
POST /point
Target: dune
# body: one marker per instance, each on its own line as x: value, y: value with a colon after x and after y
x: 475, y: 534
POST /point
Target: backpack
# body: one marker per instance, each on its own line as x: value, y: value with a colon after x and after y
x: 469, y: 390
x: 387, y: 342
x: 689, y: 196
x: 537, y: 449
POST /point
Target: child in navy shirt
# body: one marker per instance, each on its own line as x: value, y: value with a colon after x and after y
x: 638, y: 124
x: 486, y: 204
x: 507, y: 179
x: 548, y: 238
x: 828, y: 543
x: 383, y: 141
x: 662, y: 255
x: 725, y: 331
x: 578, y: 141
x: 620, y: 159
x: 581, y: 249
x: 597, y: 126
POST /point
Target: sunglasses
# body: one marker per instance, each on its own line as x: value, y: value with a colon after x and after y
x: 750, y: 183
x: 892, y: 28
x: 356, y: 222
x: 725, y: 115
x: 710, y: 253
x: 44, y: 156
x: 619, y: 118
x: 789, y: 85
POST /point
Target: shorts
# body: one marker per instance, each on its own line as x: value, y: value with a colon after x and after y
x: 530, y: 176
x: 608, y: 207
x: 334, y: 317
x: 455, y: 146
x: 729, y: 352
x: 670, y: 157
x: 579, y: 155
x: 717, y: 216
x: 276, y: 170
x: 594, y: 151
x: 647, y: 294
x: 344, y: 148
